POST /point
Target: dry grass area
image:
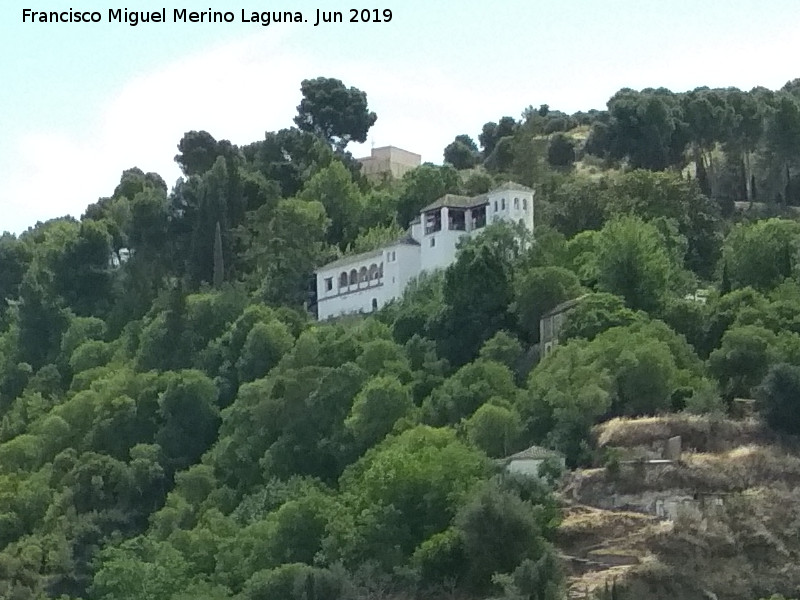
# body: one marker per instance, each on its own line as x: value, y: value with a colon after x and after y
x: 734, y: 470
x: 585, y: 587
x: 742, y: 468
x: 701, y: 433
x: 602, y: 542
x: 584, y: 527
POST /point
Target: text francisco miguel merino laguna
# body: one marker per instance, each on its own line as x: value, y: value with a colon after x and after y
x: 181, y: 15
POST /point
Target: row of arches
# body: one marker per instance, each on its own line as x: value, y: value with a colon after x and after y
x: 363, y: 275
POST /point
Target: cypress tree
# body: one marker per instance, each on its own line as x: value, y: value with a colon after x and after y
x: 742, y: 191
x: 702, y: 177
x: 785, y: 262
x: 725, y: 284
x: 219, y: 263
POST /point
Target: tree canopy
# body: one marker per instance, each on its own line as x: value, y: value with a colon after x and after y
x: 333, y: 111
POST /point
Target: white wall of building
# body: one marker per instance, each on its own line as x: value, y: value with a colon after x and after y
x: 512, y: 206
x: 396, y: 266
x: 337, y: 293
x: 408, y: 265
x: 417, y: 229
x: 530, y: 466
x: 438, y: 248
x: 525, y: 466
x: 364, y: 300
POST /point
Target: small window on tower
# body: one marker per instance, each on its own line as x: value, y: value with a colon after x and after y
x: 524, y: 204
x: 328, y: 284
x: 433, y: 242
x: 503, y: 203
x: 516, y: 203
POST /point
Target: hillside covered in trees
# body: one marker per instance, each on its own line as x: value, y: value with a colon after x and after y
x: 175, y: 424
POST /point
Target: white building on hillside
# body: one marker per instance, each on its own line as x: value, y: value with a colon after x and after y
x: 365, y: 282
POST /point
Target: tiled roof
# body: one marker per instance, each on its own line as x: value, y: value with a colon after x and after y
x: 404, y: 240
x: 534, y: 452
x: 455, y: 201
x: 564, y: 306
x: 352, y: 258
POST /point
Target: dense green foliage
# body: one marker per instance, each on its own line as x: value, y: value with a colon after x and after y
x: 174, y: 423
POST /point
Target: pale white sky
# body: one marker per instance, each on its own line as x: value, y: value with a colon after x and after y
x: 81, y: 103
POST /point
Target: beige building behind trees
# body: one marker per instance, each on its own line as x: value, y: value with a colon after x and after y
x: 388, y: 162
